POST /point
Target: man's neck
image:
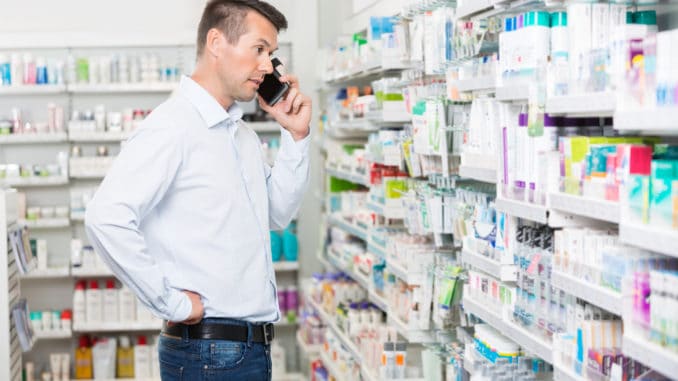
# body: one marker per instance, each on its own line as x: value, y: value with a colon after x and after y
x: 211, y: 85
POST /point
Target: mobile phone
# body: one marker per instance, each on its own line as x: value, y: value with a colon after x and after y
x: 271, y: 89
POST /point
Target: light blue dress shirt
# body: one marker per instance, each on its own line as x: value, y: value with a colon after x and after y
x: 188, y: 204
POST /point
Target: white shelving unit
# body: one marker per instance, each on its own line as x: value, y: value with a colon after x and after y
x: 476, y: 84
x: 97, y: 137
x: 401, y: 272
x: 650, y: 237
x: 286, y: 266
x: 53, y: 335
x: 354, y: 178
x: 46, y: 223
x: 35, y: 181
x: 141, y: 87
x: 32, y: 90
x: 512, y: 93
x: 505, y: 273
x: 527, y: 340
x: 118, y: 327
x: 348, y: 227
x: 602, y: 210
x: 660, y: 359
x: 594, y: 104
x: 479, y: 167
x: 10, y: 350
x: 51, y: 273
x: 662, y: 121
x: 33, y: 138
x: 81, y: 272
x: 592, y: 293
x: 522, y: 209
x: 310, y: 350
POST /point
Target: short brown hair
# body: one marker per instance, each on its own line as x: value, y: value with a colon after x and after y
x: 228, y: 16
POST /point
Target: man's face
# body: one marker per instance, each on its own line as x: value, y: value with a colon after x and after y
x: 242, y: 66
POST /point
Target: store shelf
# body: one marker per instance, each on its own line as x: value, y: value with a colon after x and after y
x: 377, y: 300
x: 78, y: 216
x: 356, y: 179
x: 87, y: 175
x: 53, y: 335
x: 376, y: 249
x: 35, y: 181
x: 33, y: 138
x: 660, y: 121
x: 603, y: 210
x: 522, y: 209
x: 369, y: 71
x: 389, y: 117
x: 505, y: 273
x: 46, y: 223
x: 286, y: 266
x: 348, y: 227
x: 594, y: 104
x: 119, y: 327
x: 264, y: 127
x: 80, y: 272
x: 527, y: 340
x: 331, y: 367
x: 288, y: 377
x: 650, y: 237
x: 562, y: 373
x: 310, y: 350
x: 514, y: 93
x: 329, y: 322
x: 476, y: 84
x: 658, y: 358
x: 98, y: 137
x: 595, y: 294
x: 481, y: 174
x: 142, y: 87
x: 472, y: 8
x: 411, y: 335
x: 61, y: 272
x: 32, y: 89
x: 375, y: 207
x: 401, y: 272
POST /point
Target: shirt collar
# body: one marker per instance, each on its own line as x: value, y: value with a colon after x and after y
x: 210, y: 110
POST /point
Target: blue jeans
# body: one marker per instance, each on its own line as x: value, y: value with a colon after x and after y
x: 184, y: 359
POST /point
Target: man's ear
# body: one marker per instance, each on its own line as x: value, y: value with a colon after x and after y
x: 214, y: 42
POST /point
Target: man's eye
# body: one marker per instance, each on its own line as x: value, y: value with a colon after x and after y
x: 260, y: 50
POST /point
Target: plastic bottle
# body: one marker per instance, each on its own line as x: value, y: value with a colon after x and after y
x: 93, y: 301
x: 276, y: 246
x: 290, y: 243
x: 128, y: 312
x: 110, y: 299
x: 79, y: 315
x: 125, y: 359
x: 292, y: 300
x: 142, y: 359
x: 83, y: 360
x: 278, y: 360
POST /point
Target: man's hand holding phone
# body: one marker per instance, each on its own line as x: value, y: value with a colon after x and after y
x: 293, y: 111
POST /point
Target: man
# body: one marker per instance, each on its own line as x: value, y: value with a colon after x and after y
x: 183, y: 216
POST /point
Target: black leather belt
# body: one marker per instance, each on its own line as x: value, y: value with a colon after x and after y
x: 261, y: 333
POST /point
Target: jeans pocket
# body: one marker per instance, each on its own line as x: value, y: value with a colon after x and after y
x: 225, y: 354
x: 171, y: 372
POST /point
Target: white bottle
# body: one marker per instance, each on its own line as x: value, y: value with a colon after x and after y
x: 79, y: 314
x: 278, y: 368
x: 128, y: 312
x: 143, y: 313
x: 155, y: 361
x: 142, y: 359
x: 111, y: 302
x: 94, y: 305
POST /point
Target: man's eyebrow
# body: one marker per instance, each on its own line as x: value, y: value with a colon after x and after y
x: 268, y: 45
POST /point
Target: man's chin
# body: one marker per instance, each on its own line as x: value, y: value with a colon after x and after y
x: 246, y: 97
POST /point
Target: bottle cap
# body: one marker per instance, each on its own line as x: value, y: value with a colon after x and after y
x: 81, y: 285
x: 84, y: 341
x: 141, y: 340
x: 110, y: 284
x: 558, y: 19
x: 66, y: 315
x: 93, y: 285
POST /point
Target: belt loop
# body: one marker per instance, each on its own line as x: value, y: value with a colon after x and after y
x: 249, y: 334
x: 184, y: 333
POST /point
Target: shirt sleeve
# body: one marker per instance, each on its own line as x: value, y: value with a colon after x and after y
x: 138, y: 180
x: 287, y: 180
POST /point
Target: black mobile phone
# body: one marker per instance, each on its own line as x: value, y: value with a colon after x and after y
x: 271, y: 89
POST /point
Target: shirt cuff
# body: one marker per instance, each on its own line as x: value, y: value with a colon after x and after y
x: 291, y: 149
x: 180, y: 306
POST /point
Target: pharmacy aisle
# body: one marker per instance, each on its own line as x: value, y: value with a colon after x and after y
x: 497, y: 193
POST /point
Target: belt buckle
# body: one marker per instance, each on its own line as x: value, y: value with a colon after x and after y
x: 268, y: 329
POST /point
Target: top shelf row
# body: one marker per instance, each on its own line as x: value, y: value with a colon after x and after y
x: 141, y: 87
